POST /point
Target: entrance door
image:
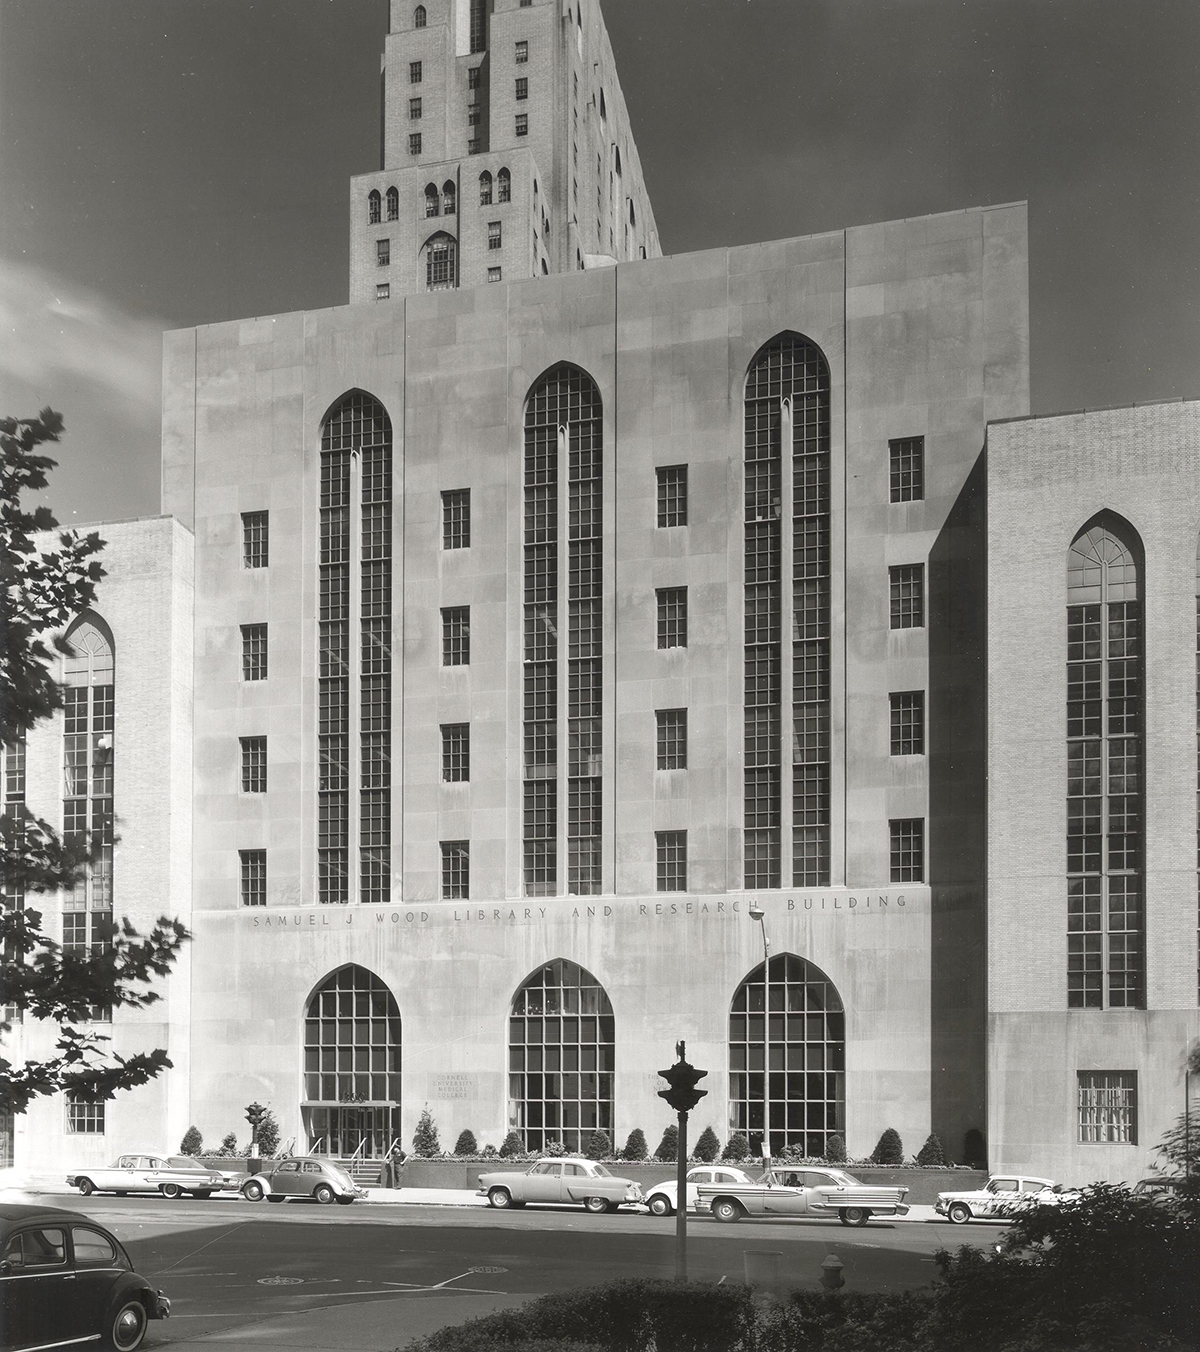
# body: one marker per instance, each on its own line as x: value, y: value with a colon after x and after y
x: 341, y: 1132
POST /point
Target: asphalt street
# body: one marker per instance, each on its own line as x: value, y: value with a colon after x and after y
x: 298, y: 1275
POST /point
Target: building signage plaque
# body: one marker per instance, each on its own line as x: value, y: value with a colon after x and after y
x: 453, y: 1087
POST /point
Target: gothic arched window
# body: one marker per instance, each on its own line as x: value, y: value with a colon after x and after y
x: 485, y: 189
x: 1105, y: 755
x: 393, y: 204
x: 503, y: 186
x: 373, y: 205
x: 787, y: 1056
x: 441, y: 263
x: 431, y: 200
x: 354, y: 651
x: 564, y: 435
x: 448, y: 196
x: 561, y: 1058
x: 787, y: 751
x: 419, y: 17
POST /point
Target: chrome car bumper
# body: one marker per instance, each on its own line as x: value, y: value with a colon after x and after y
x: 162, y: 1307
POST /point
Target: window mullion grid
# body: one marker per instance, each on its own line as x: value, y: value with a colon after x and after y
x: 375, y: 721
x: 1085, y: 797
x: 1122, y: 784
x: 334, y: 659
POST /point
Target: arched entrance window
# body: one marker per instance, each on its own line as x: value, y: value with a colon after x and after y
x: 787, y: 1056
x: 560, y: 1058
x: 352, y: 1065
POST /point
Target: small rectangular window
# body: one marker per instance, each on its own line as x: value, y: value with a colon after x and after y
x: 414, y: 143
x: 521, y: 55
x: 522, y: 88
x: 414, y: 109
x: 906, y: 469
x: 456, y: 518
x: 456, y: 870
x: 907, y: 850
x: 672, y: 617
x: 414, y: 72
x: 672, y: 495
x: 494, y: 274
x: 456, y: 636
x: 254, y: 877
x: 1108, y: 1107
x: 254, y: 764
x: 255, y: 541
x: 670, y: 861
x: 383, y: 291
x: 522, y: 124
x: 672, y: 738
x: 495, y: 237
x: 456, y: 753
x: 85, y: 1116
x: 472, y: 77
x: 383, y: 252
x: 908, y: 723
x: 907, y: 595
x: 254, y: 652
x: 473, y: 115
x: 474, y: 146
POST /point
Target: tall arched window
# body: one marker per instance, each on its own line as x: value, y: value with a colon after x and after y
x: 441, y: 263
x: 561, y: 1054
x: 1105, y: 753
x: 503, y: 186
x: 393, y: 204
x: 355, y: 652
x: 351, y: 1065
x: 448, y: 197
x: 1198, y: 765
x: 88, y: 783
x: 787, y: 1056
x: 485, y: 189
x: 787, y: 461
x: 564, y: 433
x: 419, y: 17
x: 373, y: 205
x: 432, y: 205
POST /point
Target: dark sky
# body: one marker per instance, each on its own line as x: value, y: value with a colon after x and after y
x: 173, y: 162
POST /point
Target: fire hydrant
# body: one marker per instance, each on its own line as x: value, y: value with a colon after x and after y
x: 831, y: 1273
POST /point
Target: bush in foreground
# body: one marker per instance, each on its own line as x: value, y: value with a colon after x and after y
x: 835, y: 1149
x: 931, y: 1154
x: 511, y: 1145
x: 192, y: 1143
x: 707, y: 1146
x: 635, y: 1145
x: 466, y: 1143
x: 668, y: 1147
x: 425, y: 1139
x: 737, y: 1147
x: 890, y: 1149
x: 599, y: 1147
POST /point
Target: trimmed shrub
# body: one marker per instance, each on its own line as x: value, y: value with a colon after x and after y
x: 737, y: 1147
x: 835, y: 1149
x: 635, y: 1146
x: 267, y: 1137
x: 707, y: 1146
x: 974, y: 1149
x: 192, y: 1143
x: 425, y: 1138
x: 931, y: 1153
x: 889, y: 1149
x: 599, y: 1147
x: 228, y: 1147
x: 511, y: 1145
x: 466, y: 1143
x: 489, y: 1151
x: 555, y: 1148
x: 668, y: 1147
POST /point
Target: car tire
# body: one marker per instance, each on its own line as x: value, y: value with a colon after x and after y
x: 854, y: 1215
x: 125, y: 1326
x: 345, y: 1201
x: 86, y: 1187
x: 500, y: 1198
x: 959, y: 1213
x: 727, y: 1209
x: 253, y: 1191
x: 171, y: 1191
x: 324, y: 1194
x: 596, y: 1205
x: 660, y: 1205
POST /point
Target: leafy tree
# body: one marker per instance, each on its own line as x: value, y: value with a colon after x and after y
x: 599, y: 1147
x: 192, y: 1143
x: 889, y: 1149
x: 228, y: 1146
x: 44, y: 586
x: 835, y: 1149
x: 425, y: 1138
x: 931, y: 1153
x: 635, y: 1145
x: 668, y: 1147
x: 267, y: 1136
x: 512, y: 1145
x: 466, y: 1143
x: 555, y: 1148
x: 707, y: 1146
x: 737, y: 1147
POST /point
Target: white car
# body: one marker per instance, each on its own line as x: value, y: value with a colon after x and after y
x: 558, y: 1179
x: 1004, y: 1196
x: 661, y: 1199
x: 172, y: 1175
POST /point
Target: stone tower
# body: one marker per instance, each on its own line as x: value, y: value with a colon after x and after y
x: 506, y: 151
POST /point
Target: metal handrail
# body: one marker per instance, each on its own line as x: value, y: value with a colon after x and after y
x: 320, y: 1141
x: 362, y: 1145
x: 284, y: 1151
x: 391, y: 1150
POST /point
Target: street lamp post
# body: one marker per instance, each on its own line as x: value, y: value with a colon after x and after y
x: 757, y: 913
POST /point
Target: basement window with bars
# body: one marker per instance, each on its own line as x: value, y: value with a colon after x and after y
x: 1107, y: 1107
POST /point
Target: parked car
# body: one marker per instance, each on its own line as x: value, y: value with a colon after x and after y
x: 785, y: 1191
x: 322, y: 1180
x: 661, y: 1198
x: 1003, y: 1196
x: 1161, y: 1189
x: 172, y: 1175
x: 560, y: 1180
x: 66, y: 1280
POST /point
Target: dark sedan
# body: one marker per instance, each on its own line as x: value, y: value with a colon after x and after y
x: 64, y: 1280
